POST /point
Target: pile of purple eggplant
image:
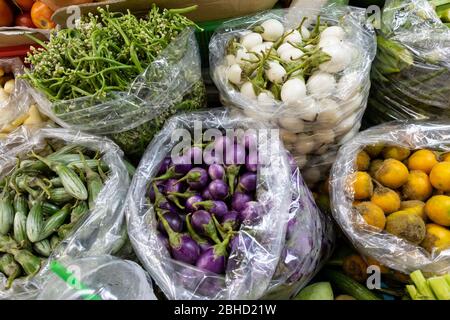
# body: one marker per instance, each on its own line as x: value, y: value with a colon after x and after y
x: 202, y: 196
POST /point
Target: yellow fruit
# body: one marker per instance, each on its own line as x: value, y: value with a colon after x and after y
x: 406, y: 225
x: 362, y: 185
x: 374, y: 150
x: 418, y: 186
x: 362, y: 161
x: 387, y: 199
x: 440, y: 176
x: 374, y: 166
x: 445, y: 157
x: 436, y: 238
x: 392, y: 173
x: 438, y: 210
x: 397, y: 153
x: 423, y: 160
x: 415, y: 206
x: 372, y: 214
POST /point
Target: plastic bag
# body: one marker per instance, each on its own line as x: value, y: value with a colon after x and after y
x: 99, y: 277
x: 386, y: 248
x: 320, y: 121
x: 255, y: 261
x: 411, y: 71
x: 101, y: 230
x: 171, y: 83
x: 20, y: 99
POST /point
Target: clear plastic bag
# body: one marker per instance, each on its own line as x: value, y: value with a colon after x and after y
x: 411, y: 71
x: 319, y: 121
x: 20, y: 99
x: 386, y: 248
x: 100, y: 277
x: 255, y: 261
x: 170, y: 84
x: 101, y: 229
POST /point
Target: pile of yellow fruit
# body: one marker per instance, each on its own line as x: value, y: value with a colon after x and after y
x: 406, y: 193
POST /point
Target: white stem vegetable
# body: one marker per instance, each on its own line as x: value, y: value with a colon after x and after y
x: 248, y: 91
x: 275, y: 73
x: 339, y: 59
x: 251, y: 40
x: 284, y: 47
x: 293, y: 91
x: 291, y: 55
x: 292, y: 124
x: 321, y: 84
x: 9, y: 86
x: 234, y: 74
x: 272, y: 30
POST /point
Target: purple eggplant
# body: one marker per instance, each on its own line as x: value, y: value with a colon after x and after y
x: 203, y: 223
x: 203, y: 243
x: 206, y: 194
x: 239, y: 200
x: 214, y: 259
x: 161, y: 187
x: 196, y: 178
x: 161, y: 202
x: 172, y: 187
x: 247, y: 182
x: 230, y: 222
x: 182, y: 246
x: 182, y: 164
x: 169, y: 174
x: 165, y: 164
x: 222, y: 145
x: 216, y: 207
x: 218, y: 190
x: 174, y: 220
x: 210, y: 156
x: 251, y: 162
x: 191, y: 201
x: 250, y: 140
x: 216, y: 172
x: 236, y: 155
x: 251, y: 212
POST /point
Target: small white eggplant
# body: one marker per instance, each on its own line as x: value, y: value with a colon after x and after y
x: 333, y: 32
x: 272, y: 30
x: 347, y: 124
x: 339, y: 59
x: 266, y: 98
x: 268, y: 44
x: 330, y: 41
x: 293, y: 91
x: 308, y: 110
x: 259, y: 49
x: 291, y: 55
x: 275, y: 73
x: 292, y: 124
x: 248, y: 90
x: 349, y: 85
x: 305, y: 144
x: 293, y: 37
x: 251, y: 40
x: 349, y: 135
x: 321, y: 84
x: 284, y: 47
x: 353, y: 105
x: 230, y: 59
x: 322, y: 137
x: 330, y: 113
x: 234, y: 74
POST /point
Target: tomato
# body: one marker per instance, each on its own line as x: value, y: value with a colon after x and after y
x: 24, y: 20
x: 41, y: 15
x: 6, y: 14
x: 25, y: 5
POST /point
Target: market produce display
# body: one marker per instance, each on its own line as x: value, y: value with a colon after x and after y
x: 433, y: 288
x: 230, y: 224
x: 389, y: 195
x: 305, y: 71
x: 25, y: 13
x: 56, y: 187
x: 411, y: 70
x: 119, y: 75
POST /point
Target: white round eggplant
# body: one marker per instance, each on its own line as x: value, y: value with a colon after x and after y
x: 321, y: 84
x: 272, y: 30
x: 288, y: 137
x: 333, y: 32
x: 292, y: 124
x: 275, y: 72
x: 293, y: 37
x: 234, y: 74
x: 291, y: 55
x: 248, y: 90
x: 349, y: 85
x: 339, y: 58
x: 251, y: 40
x: 330, y: 113
x: 230, y: 59
x: 293, y: 91
x: 305, y: 144
x: 284, y: 47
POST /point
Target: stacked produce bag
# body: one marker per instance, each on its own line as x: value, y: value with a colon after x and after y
x: 390, y: 187
x: 227, y: 218
x: 62, y: 194
x: 119, y: 75
x: 305, y: 71
x: 412, y: 69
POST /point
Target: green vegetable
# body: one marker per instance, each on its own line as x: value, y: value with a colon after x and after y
x: 422, y: 286
x: 54, y: 222
x: 50, y: 208
x: 94, y: 183
x: 43, y: 248
x: 20, y: 228
x: 35, y: 222
x: 6, y: 212
x: 10, y: 268
x: 350, y: 286
x: 439, y: 287
x: 29, y: 262
x: 60, y: 195
x: 316, y: 291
